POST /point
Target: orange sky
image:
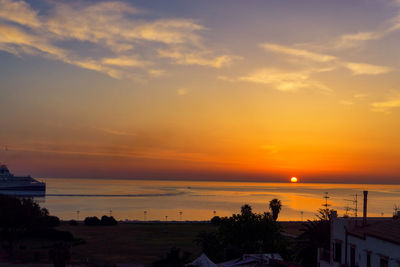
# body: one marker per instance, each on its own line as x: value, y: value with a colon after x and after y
x: 260, y: 91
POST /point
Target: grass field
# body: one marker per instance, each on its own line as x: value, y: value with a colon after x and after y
x: 138, y: 243
x: 134, y: 243
x: 141, y: 243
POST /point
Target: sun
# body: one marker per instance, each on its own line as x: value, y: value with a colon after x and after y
x: 293, y: 179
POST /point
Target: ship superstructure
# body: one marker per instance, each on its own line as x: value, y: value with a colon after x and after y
x: 9, y: 181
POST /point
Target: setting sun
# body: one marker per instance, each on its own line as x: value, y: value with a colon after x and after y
x: 293, y: 180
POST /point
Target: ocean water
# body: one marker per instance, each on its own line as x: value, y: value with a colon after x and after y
x: 164, y: 200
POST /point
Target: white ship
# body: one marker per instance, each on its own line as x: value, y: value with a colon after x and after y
x: 9, y: 182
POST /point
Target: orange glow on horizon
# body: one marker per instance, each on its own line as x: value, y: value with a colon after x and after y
x: 293, y: 180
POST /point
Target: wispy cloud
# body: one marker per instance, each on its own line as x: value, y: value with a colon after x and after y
x: 298, y: 52
x: 366, y: 69
x: 181, y: 91
x: 387, y: 105
x: 331, y: 62
x: 285, y: 81
x: 201, y: 58
x: 354, y: 40
x: 115, y: 28
x: 312, y: 63
x: 19, y: 12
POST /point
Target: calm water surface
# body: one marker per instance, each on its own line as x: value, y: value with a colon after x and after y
x: 128, y: 199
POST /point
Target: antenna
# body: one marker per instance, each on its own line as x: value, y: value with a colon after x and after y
x: 396, y: 209
x: 354, y: 201
x: 347, y: 209
x: 326, y: 205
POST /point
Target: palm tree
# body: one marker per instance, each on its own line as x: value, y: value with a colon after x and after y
x: 246, y: 210
x: 315, y: 234
x: 275, y: 207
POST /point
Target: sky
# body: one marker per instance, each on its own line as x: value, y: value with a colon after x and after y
x: 206, y: 90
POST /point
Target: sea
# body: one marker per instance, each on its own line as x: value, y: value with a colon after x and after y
x: 160, y: 200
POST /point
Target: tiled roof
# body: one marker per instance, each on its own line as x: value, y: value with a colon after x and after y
x: 384, y: 229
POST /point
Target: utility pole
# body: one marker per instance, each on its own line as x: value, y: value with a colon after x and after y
x: 144, y: 215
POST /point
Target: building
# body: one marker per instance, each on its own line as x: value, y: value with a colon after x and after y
x: 369, y: 242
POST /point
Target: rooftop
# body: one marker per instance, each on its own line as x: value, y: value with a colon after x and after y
x: 387, y: 229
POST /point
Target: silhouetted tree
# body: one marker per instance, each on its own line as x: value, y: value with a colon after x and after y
x: 19, y: 217
x: 91, y: 221
x: 275, y: 207
x: 315, y: 234
x: 242, y: 233
x: 246, y: 210
x: 108, y: 220
x: 216, y: 220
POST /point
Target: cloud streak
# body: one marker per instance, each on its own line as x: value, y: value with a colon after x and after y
x: 196, y: 58
x: 285, y: 81
x: 387, y: 105
x: 298, y: 52
x: 312, y: 63
x: 333, y: 62
x: 114, y: 28
x: 366, y: 69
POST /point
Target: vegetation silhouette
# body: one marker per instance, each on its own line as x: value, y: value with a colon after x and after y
x: 246, y: 232
x: 23, y: 218
x: 105, y: 221
x: 315, y: 234
x: 275, y: 206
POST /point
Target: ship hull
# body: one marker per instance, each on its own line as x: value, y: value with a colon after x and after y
x: 23, y: 188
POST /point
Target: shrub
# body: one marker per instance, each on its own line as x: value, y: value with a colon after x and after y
x: 92, y: 221
x: 108, y: 220
x: 246, y: 232
x: 23, y: 217
x: 216, y: 220
x: 73, y: 222
x: 50, y: 221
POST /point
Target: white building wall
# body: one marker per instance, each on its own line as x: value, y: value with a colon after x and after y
x: 378, y: 248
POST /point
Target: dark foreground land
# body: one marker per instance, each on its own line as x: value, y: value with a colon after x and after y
x: 135, y: 243
x: 141, y: 243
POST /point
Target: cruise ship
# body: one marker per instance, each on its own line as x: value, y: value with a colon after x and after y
x: 9, y: 182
